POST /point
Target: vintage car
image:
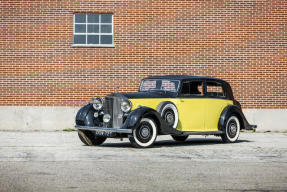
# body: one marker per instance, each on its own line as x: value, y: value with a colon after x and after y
x: 173, y: 105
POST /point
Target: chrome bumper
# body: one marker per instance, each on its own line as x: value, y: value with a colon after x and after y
x: 103, y: 129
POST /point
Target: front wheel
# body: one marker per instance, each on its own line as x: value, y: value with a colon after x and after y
x: 231, y: 130
x: 145, y: 134
x: 88, y: 138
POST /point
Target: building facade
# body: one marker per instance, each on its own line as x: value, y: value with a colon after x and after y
x: 57, y: 54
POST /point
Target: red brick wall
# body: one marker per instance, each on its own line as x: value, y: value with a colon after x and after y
x: 241, y: 41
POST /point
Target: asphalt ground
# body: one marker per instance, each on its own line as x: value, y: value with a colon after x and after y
x: 58, y: 161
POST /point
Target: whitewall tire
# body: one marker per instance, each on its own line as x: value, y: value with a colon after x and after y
x: 170, y: 114
x: 231, y: 130
x: 145, y: 134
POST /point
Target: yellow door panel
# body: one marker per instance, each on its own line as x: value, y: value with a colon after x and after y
x: 213, y: 109
x: 190, y: 111
x: 191, y: 114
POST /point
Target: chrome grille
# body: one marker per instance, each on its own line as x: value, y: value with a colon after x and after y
x: 112, y: 106
x: 108, y: 109
x: 117, y: 112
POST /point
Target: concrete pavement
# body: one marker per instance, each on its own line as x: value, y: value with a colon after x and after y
x: 58, y: 161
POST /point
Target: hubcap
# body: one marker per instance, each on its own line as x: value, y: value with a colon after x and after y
x: 169, y: 117
x: 145, y: 132
x: 232, y: 129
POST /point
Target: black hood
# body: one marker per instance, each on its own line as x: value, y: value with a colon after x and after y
x: 151, y: 94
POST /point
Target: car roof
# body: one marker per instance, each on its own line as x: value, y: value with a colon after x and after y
x: 183, y: 77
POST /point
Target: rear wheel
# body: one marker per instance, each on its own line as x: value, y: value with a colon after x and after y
x: 179, y: 138
x: 88, y: 138
x: 145, y: 134
x: 231, y: 130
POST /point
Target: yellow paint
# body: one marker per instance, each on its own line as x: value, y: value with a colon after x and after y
x: 195, y: 114
x: 214, y: 107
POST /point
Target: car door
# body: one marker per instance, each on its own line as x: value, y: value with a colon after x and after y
x: 191, y: 106
x: 216, y: 101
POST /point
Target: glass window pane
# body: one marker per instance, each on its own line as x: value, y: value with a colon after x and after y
x: 106, y: 18
x: 214, y: 89
x: 80, y: 28
x: 93, y: 28
x: 106, y: 28
x: 93, y: 18
x: 93, y: 39
x: 106, y: 39
x: 80, y: 17
x: 79, y: 39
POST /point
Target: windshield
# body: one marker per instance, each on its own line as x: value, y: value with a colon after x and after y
x: 160, y: 85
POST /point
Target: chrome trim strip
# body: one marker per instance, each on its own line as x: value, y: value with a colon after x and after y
x: 113, y: 130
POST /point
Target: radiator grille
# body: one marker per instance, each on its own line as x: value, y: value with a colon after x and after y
x: 117, y: 112
x: 108, y: 109
x: 112, y: 106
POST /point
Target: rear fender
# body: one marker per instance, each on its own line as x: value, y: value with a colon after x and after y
x: 227, y: 112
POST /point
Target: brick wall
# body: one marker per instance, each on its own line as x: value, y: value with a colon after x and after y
x: 241, y: 41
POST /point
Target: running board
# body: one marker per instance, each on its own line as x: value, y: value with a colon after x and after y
x: 168, y: 130
x: 200, y: 133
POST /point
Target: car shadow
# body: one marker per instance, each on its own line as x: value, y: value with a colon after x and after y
x: 172, y: 143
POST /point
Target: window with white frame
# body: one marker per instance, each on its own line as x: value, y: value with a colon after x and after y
x: 93, y: 29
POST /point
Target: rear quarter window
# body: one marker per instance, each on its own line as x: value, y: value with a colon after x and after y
x: 215, y: 90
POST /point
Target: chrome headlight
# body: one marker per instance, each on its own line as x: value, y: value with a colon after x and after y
x: 107, y: 118
x: 126, y: 106
x: 97, y: 103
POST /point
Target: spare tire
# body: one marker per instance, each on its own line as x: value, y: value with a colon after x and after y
x: 170, y: 114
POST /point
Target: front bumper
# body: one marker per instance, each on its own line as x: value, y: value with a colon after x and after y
x: 103, y: 129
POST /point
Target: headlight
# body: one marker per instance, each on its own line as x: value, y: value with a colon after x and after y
x: 126, y: 106
x: 107, y: 118
x: 97, y: 103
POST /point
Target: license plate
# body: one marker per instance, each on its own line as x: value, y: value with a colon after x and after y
x: 105, y: 133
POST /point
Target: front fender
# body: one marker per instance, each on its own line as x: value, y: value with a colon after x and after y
x: 133, y: 120
x: 136, y: 115
x: 85, y: 115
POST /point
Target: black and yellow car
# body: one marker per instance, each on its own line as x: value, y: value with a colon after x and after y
x: 173, y: 105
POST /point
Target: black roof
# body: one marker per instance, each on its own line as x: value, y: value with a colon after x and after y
x: 188, y: 77
x: 182, y: 77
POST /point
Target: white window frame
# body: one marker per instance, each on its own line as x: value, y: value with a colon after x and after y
x: 100, y: 34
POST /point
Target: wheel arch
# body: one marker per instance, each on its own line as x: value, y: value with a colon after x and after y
x: 162, y: 104
x: 227, y: 112
x: 135, y: 117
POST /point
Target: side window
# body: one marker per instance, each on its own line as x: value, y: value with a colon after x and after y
x: 215, y: 89
x: 192, y: 88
